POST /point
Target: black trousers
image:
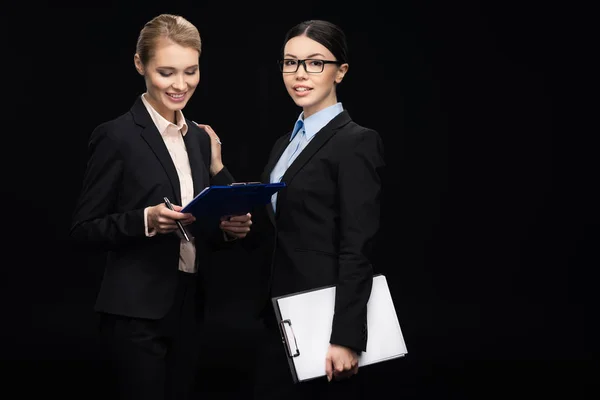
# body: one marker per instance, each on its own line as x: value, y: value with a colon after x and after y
x: 156, y: 359
x: 273, y: 379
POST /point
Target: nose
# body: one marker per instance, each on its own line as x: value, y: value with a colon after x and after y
x: 301, y: 71
x: 179, y: 83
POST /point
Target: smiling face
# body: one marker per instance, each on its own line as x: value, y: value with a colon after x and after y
x: 171, y: 76
x: 312, y: 91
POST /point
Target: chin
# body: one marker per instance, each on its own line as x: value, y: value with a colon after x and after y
x: 175, y: 107
x: 302, y: 102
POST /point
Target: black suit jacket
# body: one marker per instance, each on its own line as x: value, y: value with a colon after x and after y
x: 129, y: 169
x: 326, y: 222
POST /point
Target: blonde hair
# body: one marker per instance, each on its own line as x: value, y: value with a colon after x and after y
x: 168, y: 26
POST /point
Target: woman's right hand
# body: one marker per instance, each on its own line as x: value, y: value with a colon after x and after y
x: 162, y: 220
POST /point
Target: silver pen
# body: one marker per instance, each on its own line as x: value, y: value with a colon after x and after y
x: 179, y: 224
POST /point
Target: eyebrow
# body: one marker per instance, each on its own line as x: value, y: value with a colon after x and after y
x: 310, y: 56
x: 173, y: 68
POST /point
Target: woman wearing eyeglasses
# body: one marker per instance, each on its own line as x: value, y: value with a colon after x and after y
x: 320, y: 229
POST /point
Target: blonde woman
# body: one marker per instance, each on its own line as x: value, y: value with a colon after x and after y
x: 150, y: 297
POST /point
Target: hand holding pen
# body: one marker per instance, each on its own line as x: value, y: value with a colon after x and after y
x: 179, y: 225
x: 166, y: 218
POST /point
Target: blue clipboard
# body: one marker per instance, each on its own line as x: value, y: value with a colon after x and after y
x: 235, y: 199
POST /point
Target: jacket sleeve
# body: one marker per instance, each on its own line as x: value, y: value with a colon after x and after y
x: 96, y: 221
x: 359, y: 190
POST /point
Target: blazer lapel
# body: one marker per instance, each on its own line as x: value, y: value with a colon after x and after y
x: 279, y: 148
x: 315, y: 144
x: 151, y: 135
x: 197, y: 166
x: 277, y: 152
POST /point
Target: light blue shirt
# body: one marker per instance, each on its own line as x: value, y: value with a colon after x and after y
x: 304, y: 131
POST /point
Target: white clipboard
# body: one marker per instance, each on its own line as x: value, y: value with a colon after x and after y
x: 305, y: 320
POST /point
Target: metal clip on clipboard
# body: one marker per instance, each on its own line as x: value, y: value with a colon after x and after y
x: 286, y: 339
x: 244, y: 183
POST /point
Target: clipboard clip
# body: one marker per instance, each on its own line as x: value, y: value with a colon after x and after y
x: 244, y: 183
x: 286, y: 339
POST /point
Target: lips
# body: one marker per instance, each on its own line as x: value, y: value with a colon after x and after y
x: 176, y: 95
x: 302, y: 91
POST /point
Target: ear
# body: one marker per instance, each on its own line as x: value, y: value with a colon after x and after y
x: 341, y: 72
x: 137, y: 61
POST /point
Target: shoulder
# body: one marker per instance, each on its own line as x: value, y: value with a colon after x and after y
x: 197, y: 133
x: 115, y: 129
x: 194, y: 129
x: 280, y: 141
x: 354, y: 134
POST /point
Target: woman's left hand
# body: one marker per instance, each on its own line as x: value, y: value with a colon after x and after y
x: 237, y: 226
x: 340, y: 362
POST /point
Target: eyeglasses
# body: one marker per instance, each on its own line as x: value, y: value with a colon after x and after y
x: 311, y: 65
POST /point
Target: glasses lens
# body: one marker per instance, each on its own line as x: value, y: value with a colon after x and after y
x: 314, y: 66
x: 291, y: 65
x: 288, y: 65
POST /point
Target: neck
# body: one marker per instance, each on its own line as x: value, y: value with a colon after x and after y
x: 165, y: 113
x: 308, y: 111
x: 169, y: 116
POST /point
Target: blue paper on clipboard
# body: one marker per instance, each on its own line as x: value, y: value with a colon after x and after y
x: 235, y: 199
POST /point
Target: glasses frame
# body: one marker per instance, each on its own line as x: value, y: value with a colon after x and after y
x: 303, y: 63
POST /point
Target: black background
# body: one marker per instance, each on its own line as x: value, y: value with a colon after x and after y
x: 489, y: 225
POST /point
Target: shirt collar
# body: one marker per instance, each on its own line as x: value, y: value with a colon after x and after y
x: 317, y: 121
x: 161, y: 123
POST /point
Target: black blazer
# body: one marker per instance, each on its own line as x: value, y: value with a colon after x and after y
x: 129, y: 169
x: 326, y: 222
